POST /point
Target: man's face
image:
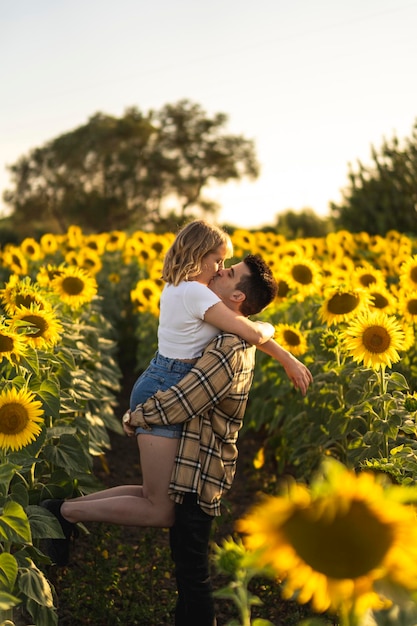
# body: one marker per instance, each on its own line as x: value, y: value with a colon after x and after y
x: 225, y: 282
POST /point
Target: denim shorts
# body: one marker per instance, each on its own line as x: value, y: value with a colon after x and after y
x: 161, y: 374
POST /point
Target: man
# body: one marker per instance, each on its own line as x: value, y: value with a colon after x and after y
x: 210, y: 402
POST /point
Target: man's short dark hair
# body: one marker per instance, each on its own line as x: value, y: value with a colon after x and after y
x: 260, y: 287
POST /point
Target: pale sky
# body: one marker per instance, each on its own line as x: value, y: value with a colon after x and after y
x: 315, y: 83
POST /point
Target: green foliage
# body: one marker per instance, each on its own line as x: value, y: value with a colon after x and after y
x: 304, y: 223
x: 383, y: 195
x: 119, y: 172
x: 127, y: 580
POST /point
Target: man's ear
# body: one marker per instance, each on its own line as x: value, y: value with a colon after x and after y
x: 238, y: 296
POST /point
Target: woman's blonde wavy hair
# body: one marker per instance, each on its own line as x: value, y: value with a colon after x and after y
x: 183, y: 261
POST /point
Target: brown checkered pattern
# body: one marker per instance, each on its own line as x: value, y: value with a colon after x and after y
x: 211, y: 401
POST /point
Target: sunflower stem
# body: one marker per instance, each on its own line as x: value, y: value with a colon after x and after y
x: 383, y: 390
x: 3, y: 456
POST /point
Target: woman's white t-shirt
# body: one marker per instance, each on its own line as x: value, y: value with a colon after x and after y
x: 182, y: 331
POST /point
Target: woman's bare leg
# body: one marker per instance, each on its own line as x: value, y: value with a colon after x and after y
x: 112, y: 492
x: 132, y: 505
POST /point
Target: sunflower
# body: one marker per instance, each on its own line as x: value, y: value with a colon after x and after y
x: 334, y: 543
x: 146, y: 295
x: 21, y: 292
x: 291, y: 338
x: 408, y: 273
x: 75, y: 286
x: 96, y: 242
x: 89, y: 260
x: 116, y: 240
x: 382, y: 299
x: 12, y: 345
x: 330, y: 340
x: 131, y: 250
x: 367, y: 276
x: 49, y: 243
x: 32, y: 249
x: 20, y: 418
x: 244, y: 242
x: 47, y: 273
x: 42, y: 328
x: 374, y: 338
x: 75, y: 237
x: 302, y: 275
x: 14, y: 259
x: 408, y: 304
x: 341, y: 302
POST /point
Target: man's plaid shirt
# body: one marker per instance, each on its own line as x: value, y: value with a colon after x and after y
x: 211, y: 401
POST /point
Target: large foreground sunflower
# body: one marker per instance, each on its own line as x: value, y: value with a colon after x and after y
x: 20, y: 418
x: 74, y: 286
x: 374, y: 339
x: 334, y: 543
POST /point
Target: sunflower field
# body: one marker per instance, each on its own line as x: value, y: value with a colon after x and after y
x: 76, y: 308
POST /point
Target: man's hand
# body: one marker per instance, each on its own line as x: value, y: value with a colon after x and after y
x: 298, y: 373
x: 128, y: 428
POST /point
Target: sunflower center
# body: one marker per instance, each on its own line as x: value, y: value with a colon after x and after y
x: 342, y: 303
x: 367, y: 279
x: 291, y: 338
x: 413, y: 274
x: 6, y: 343
x: 72, y: 285
x: 16, y: 260
x: 38, y: 322
x: 302, y: 274
x: 376, y: 339
x: 13, y: 418
x: 350, y: 545
x: 379, y: 301
x: 25, y: 299
x: 283, y: 289
x: 412, y: 306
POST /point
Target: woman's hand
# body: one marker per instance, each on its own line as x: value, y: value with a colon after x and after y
x: 129, y: 430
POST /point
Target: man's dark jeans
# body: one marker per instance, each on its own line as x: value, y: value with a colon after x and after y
x: 189, y: 540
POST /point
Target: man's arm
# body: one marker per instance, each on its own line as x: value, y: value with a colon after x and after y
x: 296, y: 371
x: 204, y: 386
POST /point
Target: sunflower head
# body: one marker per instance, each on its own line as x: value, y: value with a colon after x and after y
x: 75, y: 286
x: 291, y: 338
x: 408, y: 273
x: 12, y: 345
x: 20, y: 418
x: 42, y: 328
x: 374, y: 339
x: 410, y: 403
x: 330, y: 340
x: 341, y: 302
x: 332, y: 543
x: 17, y: 293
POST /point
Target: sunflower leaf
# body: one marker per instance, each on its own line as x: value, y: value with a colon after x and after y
x: 8, y: 601
x: 14, y: 524
x: 34, y: 585
x: 8, y: 571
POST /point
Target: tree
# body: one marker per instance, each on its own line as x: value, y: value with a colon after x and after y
x: 383, y: 196
x: 305, y: 223
x: 112, y: 173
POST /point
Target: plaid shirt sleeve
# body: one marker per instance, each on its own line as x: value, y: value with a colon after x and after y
x: 203, y: 387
